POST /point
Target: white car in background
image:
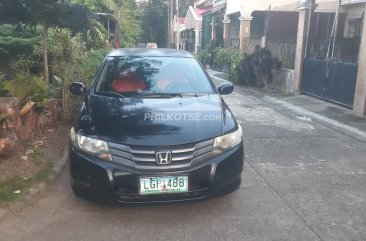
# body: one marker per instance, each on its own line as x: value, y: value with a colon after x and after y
x: 152, y: 46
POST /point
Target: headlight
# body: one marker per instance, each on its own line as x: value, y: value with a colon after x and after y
x: 226, y: 142
x: 92, y: 146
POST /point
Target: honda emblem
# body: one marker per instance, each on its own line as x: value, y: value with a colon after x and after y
x: 163, y: 157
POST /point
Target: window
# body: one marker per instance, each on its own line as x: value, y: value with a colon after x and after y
x: 355, y: 27
x: 135, y: 75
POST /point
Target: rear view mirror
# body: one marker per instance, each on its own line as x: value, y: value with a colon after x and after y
x: 225, y: 88
x: 77, y: 88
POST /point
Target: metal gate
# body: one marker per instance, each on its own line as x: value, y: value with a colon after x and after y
x: 332, y: 81
x: 190, y: 39
x: 330, y: 65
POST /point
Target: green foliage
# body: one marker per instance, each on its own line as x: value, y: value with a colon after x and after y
x: 246, y: 72
x: 155, y: 23
x: 27, y: 87
x: 230, y: 57
x: 183, y: 7
x: 42, y: 92
x: 221, y: 56
x: 235, y: 59
x: 89, y: 64
x: 129, y: 15
x: 94, y: 5
x: 20, y: 87
x: 63, y: 48
x: 204, y: 57
x: 18, y: 39
x: 8, y: 186
x: 260, y: 65
x: 97, y: 35
x: 29, y: 11
x: 131, y: 23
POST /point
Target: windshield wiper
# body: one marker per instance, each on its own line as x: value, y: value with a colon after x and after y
x: 169, y: 95
x: 111, y: 94
x: 156, y: 95
x: 195, y: 94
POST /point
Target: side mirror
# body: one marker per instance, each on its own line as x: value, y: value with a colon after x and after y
x: 225, y: 88
x: 77, y: 88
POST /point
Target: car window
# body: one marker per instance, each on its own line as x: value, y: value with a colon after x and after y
x: 155, y: 75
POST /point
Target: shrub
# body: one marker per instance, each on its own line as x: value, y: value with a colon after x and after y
x: 256, y: 68
x: 263, y: 64
x: 231, y: 57
x: 246, y: 72
x: 88, y: 65
x: 204, y: 57
x: 222, y: 56
x: 32, y: 88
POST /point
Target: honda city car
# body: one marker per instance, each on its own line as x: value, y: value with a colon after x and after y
x: 154, y: 128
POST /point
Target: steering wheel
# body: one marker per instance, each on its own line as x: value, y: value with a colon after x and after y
x: 179, y: 87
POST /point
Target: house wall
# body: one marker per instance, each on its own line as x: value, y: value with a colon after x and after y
x: 234, y: 6
x: 346, y: 2
x: 190, y: 22
x: 249, y: 6
x: 234, y: 27
x: 353, y: 11
x: 283, y: 80
x: 281, y: 26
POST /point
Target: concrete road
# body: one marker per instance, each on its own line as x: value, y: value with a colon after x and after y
x: 302, y: 181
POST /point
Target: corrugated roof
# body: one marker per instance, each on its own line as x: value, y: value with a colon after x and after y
x: 199, y: 11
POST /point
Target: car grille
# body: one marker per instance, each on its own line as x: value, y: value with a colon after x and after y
x: 143, y: 157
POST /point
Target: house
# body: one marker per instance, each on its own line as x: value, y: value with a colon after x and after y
x: 355, y: 13
x: 213, y: 24
x: 355, y: 27
x: 328, y: 40
x: 250, y: 19
x: 178, y: 29
x: 193, y: 25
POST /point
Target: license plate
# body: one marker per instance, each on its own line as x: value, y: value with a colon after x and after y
x: 162, y: 185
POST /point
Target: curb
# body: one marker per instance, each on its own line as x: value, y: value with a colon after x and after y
x: 320, y: 119
x: 3, y: 213
x: 59, y: 166
x: 57, y: 169
x: 37, y: 189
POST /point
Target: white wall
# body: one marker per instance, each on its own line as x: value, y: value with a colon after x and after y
x: 190, y: 21
x: 248, y: 6
x: 345, y: 2
x: 233, y: 6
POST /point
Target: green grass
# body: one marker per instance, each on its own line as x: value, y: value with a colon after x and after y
x: 37, y: 161
x: 8, y: 187
x: 37, y: 152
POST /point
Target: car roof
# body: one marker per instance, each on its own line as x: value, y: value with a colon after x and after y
x: 158, y: 52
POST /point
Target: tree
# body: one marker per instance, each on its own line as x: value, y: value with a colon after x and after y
x: 155, y: 22
x: 128, y: 14
x: 33, y: 12
x: 93, y: 5
x: 183, y: 7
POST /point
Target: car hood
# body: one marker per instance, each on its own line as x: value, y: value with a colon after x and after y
x: 153, y: 121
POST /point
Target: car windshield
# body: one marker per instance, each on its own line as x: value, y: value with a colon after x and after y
x: 143, y: 76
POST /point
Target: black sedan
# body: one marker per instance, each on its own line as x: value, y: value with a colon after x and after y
x: 154, y: 128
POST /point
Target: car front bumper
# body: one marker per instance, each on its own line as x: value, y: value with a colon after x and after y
x: 109, y: 182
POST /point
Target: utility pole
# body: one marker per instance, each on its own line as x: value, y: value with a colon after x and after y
x: 177, y: 22
x: 336, y: 27
x: 171, y: 30
x: 169, y: 25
